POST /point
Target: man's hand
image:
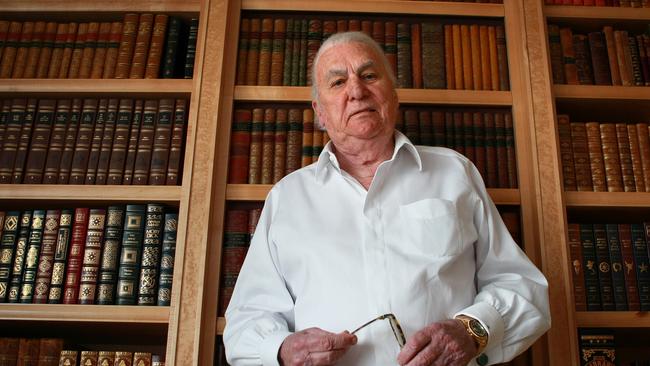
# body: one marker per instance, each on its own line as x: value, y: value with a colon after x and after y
x: 446, y: 343
x: 315, y: 346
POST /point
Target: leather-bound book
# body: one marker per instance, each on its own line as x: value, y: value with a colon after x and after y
x: 61, y: 71
x: 433, y: 56
x: 302, y: 60
x: 390, y: 44
x: 28, y: 349
x: 145, y: 142
x: 20, y: 253
x: 99, y: 57
x: 590, y: 267
x: 177, y: 143
x: 314, y: 37
x: 294, y: 140
x: 494, y: 58
x: 640, y: 236
x: 152, y: 245
x: 317, y: 145
x: 88, y: 53
x: 46, y: 257
x: 22, y: 50
x: 598, y: 50
x: 127, y: 44
x: 40, y: 141
x: 106, y: 358
x: 45, y: 55
x: 89, y: 358
x: 91, y: 256
x: 617, y: 267
x: 70, y: 142
x: 5, y: 113
x: 10, y: 49
x: 450, y: 78
x: 77, y: 51
x: 644, y: 57
x: 255, y: 162
x: 49, y: 351
x: 82, y: 147
x: 438, y: 127
x: 491, y: 159
x: 568, y: 56
x: 404, y: 62
x: 612, y: 55
x: 141, y: 359
x: 190, y: 52
x: 60, y: 258
x: 68, y: 358
x: 253, y: 54
x: 96, y: 141
x: 8, y: 248
x: 4, y: 29
x: 32, y: 254
x: 596, y: 159
x: 635, y: 57
x: 280, y: 144
x: 287, y: 61
x: 161, y: 142
x: 242, y: 50
x: 277, y: 51
x: 235, y: 246
x: 9, y: 351
x: 581, y: 159
x: 425, y: 127
x: 156, y: 47
x: 123, y: 358
x: 112, y: 50
x: 107, y: 276
x: 583, y: 59
x: 502, y: 58
x: 307, y: 136
x: 510, y: 150
x: 240, y: 141
x: 412, y: 125
x: 566, y: 153
x: 624, y: 57
x: 34, y: 50
x: 555, y: 50
x: 479, y: 143
x: 24, y: 141
x: 611, y: 157
x: 644, y: 152
x: 417, y: 52
x: 120, y: 141
x: 75, y: 255
x: 168, y: 253
x: 107, y: 144
x: 629, y: 270
x: 130, y: 255
x: 604, y: 267
x: 468, y: 136
x: 577, y: 269
x: 268, y: 145
x: 132, y: 149
x: 458, y: 56
x: 299, y: 44
x: 475, y: 52
x: 57, y: 140
x: 635, y: 153
x: 141, y: 48
x: 173, y: 43
x: 11, y: 138
x: 486, y: 67
x: 500, y: 146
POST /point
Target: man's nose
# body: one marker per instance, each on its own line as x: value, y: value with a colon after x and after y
x: 356, y: 89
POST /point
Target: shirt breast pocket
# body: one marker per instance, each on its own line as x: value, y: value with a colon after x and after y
x: 431, y: 227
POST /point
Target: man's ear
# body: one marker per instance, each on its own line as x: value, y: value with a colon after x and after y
x: 321, y: 116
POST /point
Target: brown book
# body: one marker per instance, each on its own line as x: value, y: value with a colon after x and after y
x: 494, y: 57
x: 491, y: 160
x: 433, y: 56
x: 77, y: 51
x: 40, y: 141
x: 268, y: 145
x: 294, y: 141
x: 450, y: 78
x: 465, y: 42
x: 501, y: 151
x: 66, y: 56
x: 176, y: 145
x: 635, y: 152
x: 84, y: 140
x: 555, y: 51
x: 486, y: 67
x: 412, y: 126
x: 145, y: 142
x: 240, y: 141
x: 479, y: 143
x: 11, y: 138
x: 458, y: 57
x: 156, y: 46
x: 625, y: 157
x: 568, y: 56
x: 624, y: 57
x: 57, y: 50
x: 611, y: 158
x: 236, y: 239
x: 317, y: 146
x: 255, y: 162
x: 510, y: 150
x: 280, y: 146
x: 88, y: 53
x: 599, y: 58
x: 161, y: 141
x: 612, y: 56
x: 75, y: 256
x: 99, y: 57
x: 277, y: 51
x: 22, y: 53
x: 425, y: 127
x: 24, y: 141
x: 577, y: 273
x: 28, y: 349
x: 644, y: 149
x: 468, y: 137
x: 35, y: 48
x: 89, y: 358
x: 314, y: 37
x: 4, y: 29
x: 45, y: 55
x: 9, y: 351
x: 307, y: 136
x: 96, y: 142
x: 474, y: 38
x: 141, y: 48
x: 404, y: 63
x: 416, y: 55
x: 10, y: 49
x: 502, y: 58
x: 57, y: 141
x: 141, y: 359
x: 253, y: 55
x: 70, y: 141
x: 132, y: 149
x: 438, y: 126
x: 596, y: 158
x: 120, y: 141
x: 107, y: 143
x: 49, y: 351
x: 123, y: 358
x: 112, y: 50
x: 46, y: 256
x: 68, y: 358
x: 242, y: 50
x: 91, y: 256
x: 566, y: 153
x: 390, y: 43
x: 581, y: 156
x: 265, y: 44
x: 583, y: 59
x: 127, y: 44
x: 106, y: 358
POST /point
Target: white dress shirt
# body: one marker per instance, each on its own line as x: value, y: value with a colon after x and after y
x: 424, y: 242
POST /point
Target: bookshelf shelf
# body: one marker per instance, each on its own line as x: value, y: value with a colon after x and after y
x: 9, y: 87
x: 381, y: 6
x: 617, y: 319
x: 580, y: 13
x: 85, y: 313
x: 608, y: 199
x: 594, y: 92
x: 65, y: 193
x: 258, y: 192
x: 95, y: 6
x: 406, y: 96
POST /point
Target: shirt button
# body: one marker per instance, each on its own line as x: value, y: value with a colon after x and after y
x: 482, y: 359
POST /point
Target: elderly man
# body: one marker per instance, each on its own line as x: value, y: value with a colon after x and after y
x: 379, y: 226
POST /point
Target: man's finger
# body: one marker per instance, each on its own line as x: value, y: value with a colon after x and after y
x: 325, y: 341
x: 412, y: 347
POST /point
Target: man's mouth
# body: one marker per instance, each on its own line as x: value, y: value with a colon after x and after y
x: 365, y: 110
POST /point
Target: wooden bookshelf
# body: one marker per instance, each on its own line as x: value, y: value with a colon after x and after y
x: 97, y: 6
x: 607, y: 199
x: 613, y: 319
x: 582, y: 13
x: 41, y: 192
x: 85, y: 313
x: 105, y: 87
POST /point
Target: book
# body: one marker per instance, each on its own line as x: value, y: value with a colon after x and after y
x: 130, y: 255
x: 555, y: 50
x: 22, y: 50
x: 151, y: 248
x: 107, y: 275
x: 28, y: 350
x: 190, y: 52
x: 20, y: 253
x: 11, y: 139
x: 120, y: 141
x: 10, y: 49
x: 141, y: 46
x: 583, y: 59
x: 253, y: 53
x: 599, y: 58
x: 91, y: 256
x: 32, y: 254
x: 132, y: 148
x: 96, y: 142
x: 112, y: 50
x: 596, y: 159
x: 7, y: 249
x: 625, y: 158
x: 34, y: 50
x: 177, y: 145
x: 106, y: 148
x: 123, y: 358
x: 597, y: 347
x: 242, y: 50
x: 77, y: 51
x: 45, y: 55
x: 640, y: 236
x: 577, y: 270
x: 268, y: 145
x: 57, y: 141
x: 156, y: 46
x: 590, y: 267
x: 106, y: 358
x: 294, y: 140
x: 568, y: 56
x: 171, y: 53
x: 70, y: 142
x: 604, y: 266
x: 433, y: 59
x: 617, y: 267
x: 82, y: 146
x: 141, y: 359
x: 75, y: 255
x: 150, y: 118
x: 307, y: 136
x: 612, y: 56
x: 235, y: 246
x: 644, y: 151
x: 60, y: 258
x: 88, y: 52
x: 101, y: 48
x: 125, y: 49
x: 168, y: 254
x: 161, y: 142
x: 240, y: 142
x: 314, y: 36
x: 61, y: 72
x: 279, y: 34
x: 46, y: 257
x: 24, y: 141
x: 611, y: 158
x: 280, y: 144
x: 9, y: 350
x: 40, y: 140
x: 68, y: 358
x: 417, y: 46
x: 89, y: 358
x: 255, y: 153
x: 404, y: 62
x: 49, y: 351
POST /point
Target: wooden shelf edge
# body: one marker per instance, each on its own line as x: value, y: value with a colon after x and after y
x: 596, y: 12
x: 599, y: 92
x: 258, y: 192
x: 85, y: 313
x: 35, y: 192
x: 607, y: 199
x: 221, y: 324
x: 406, y: 96
x: 379, y: 6
x: 613, y: 319
x: 96, y: 86
x: 121, y: 6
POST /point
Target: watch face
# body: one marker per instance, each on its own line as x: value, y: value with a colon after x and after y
x: 477, y: 328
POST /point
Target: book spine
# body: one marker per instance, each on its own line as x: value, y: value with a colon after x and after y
x: 404, y: 62
x: 433, y: 55
x: 96, y: 142
x: 598, y: 50
x: 34, y: 50
x: 176, y: 145
x: 583, y: 59
x: 101, y: 48
x: 502, y: 153
x: 577, y: 270
x: 314, y: 36
x: 112, y: 50
x: 7, y: 250
x: 617, y: 268
x: 107, y: 276
x: 89, y: 358
x: 640, y: 235
x: 468, y: 139
x: 302, y: 60
x: 635, y: 153
x: 32, y: 257
x: 568, y: 56
x: 69, y: 357
x: 644, y: 150
x: 11, y: 139
x: 255, y: 162
x: 145, y: 142
x: 70, y: 36
x: 555, y: 50
x: 132, y: 149
x: 22, y: 50
x: 75, y: 256
x: 171, y: 53
x: 105, y: 358
x: 242, y: 50
x: 280, y: 148
x: 240, y: 142
x: 107, y: 142
x: 168, y: 254
x: 589, y: 264
x: 419, y: 51
x: 612, y: 56
x: 10, y: 49
x: 307, y: 136
x: 130, y: 255
x: 624, y: 57
x: 70, y: 142
x: 480, y: 154
x: 253, y: 53
x: 77, y: 51
x: 152, y: 243
x: 57, y: 141
x: 475, y: 47
x: 627, y: 254
x: 141, y: 47
x: 161, y: 142
x: 120, y: 141
x: 268, y: 145
x: 40, y: 141
x: 491, y: 150
x: 510, y: 150
x: 46, y: 50
x: 486, y: 67
x: 190, y: 53
x: 91, y: 256
x: 277, y: 51
x: 141, y: 359
x: 127, y: 44
x: 84, y: 139
x: 466, y: 59
x: 611, y: 158
x: 88, y: 53
x: 60, y: 258
x: 596, y: 157
x: 124, y: 358
x: 390, y: 43
x: 23, y: 141
x: 46, y: 258
x: 294, y: 141
x: 604, y: 266
x: 264, y: 62
x: 152, y: 69
x: 235, y: 247
x: 18, y: 267
x: 49, y: 351
x: 637, y: 73
x: 566, y: 152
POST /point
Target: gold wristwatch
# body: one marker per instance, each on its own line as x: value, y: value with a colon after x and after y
x: 476, y: 330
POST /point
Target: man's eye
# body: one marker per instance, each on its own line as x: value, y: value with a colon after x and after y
x: 337, y: 82
x: 369, y: 76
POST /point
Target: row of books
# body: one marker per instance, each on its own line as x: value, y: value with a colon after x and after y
x: 604, y: 157
x: 116, y: 255
x: 610, y: 266
x: 53, y: 352
x: 92, y: 141
x: 141, y: 46
x: 619, y: 3
x: 240, y: 223
x: 610, y: 57
x: 431, y: 55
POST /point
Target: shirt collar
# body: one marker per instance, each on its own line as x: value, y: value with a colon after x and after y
x: 327, y: 157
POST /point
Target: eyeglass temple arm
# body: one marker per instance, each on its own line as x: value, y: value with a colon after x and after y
x: 381, y: 317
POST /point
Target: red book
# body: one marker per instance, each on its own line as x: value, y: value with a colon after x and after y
x: 416, y: 54
x: 75, y: 256
x: 235, y: 246
x: 240, y: 141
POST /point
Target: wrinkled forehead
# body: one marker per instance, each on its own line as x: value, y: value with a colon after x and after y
x: 347, y: 55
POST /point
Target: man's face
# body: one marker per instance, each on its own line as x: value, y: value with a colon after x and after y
x: 357, y: 99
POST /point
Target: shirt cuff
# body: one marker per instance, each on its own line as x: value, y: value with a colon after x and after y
x: 491, y: 320
x: 270, y: 348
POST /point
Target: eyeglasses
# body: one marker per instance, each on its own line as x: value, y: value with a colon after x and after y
x: 394, y: 325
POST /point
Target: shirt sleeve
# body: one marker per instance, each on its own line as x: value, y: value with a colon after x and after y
x: 512, y: 299
x: 260, y: 312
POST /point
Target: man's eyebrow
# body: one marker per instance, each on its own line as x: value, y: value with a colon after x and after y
x: 343, y: 72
